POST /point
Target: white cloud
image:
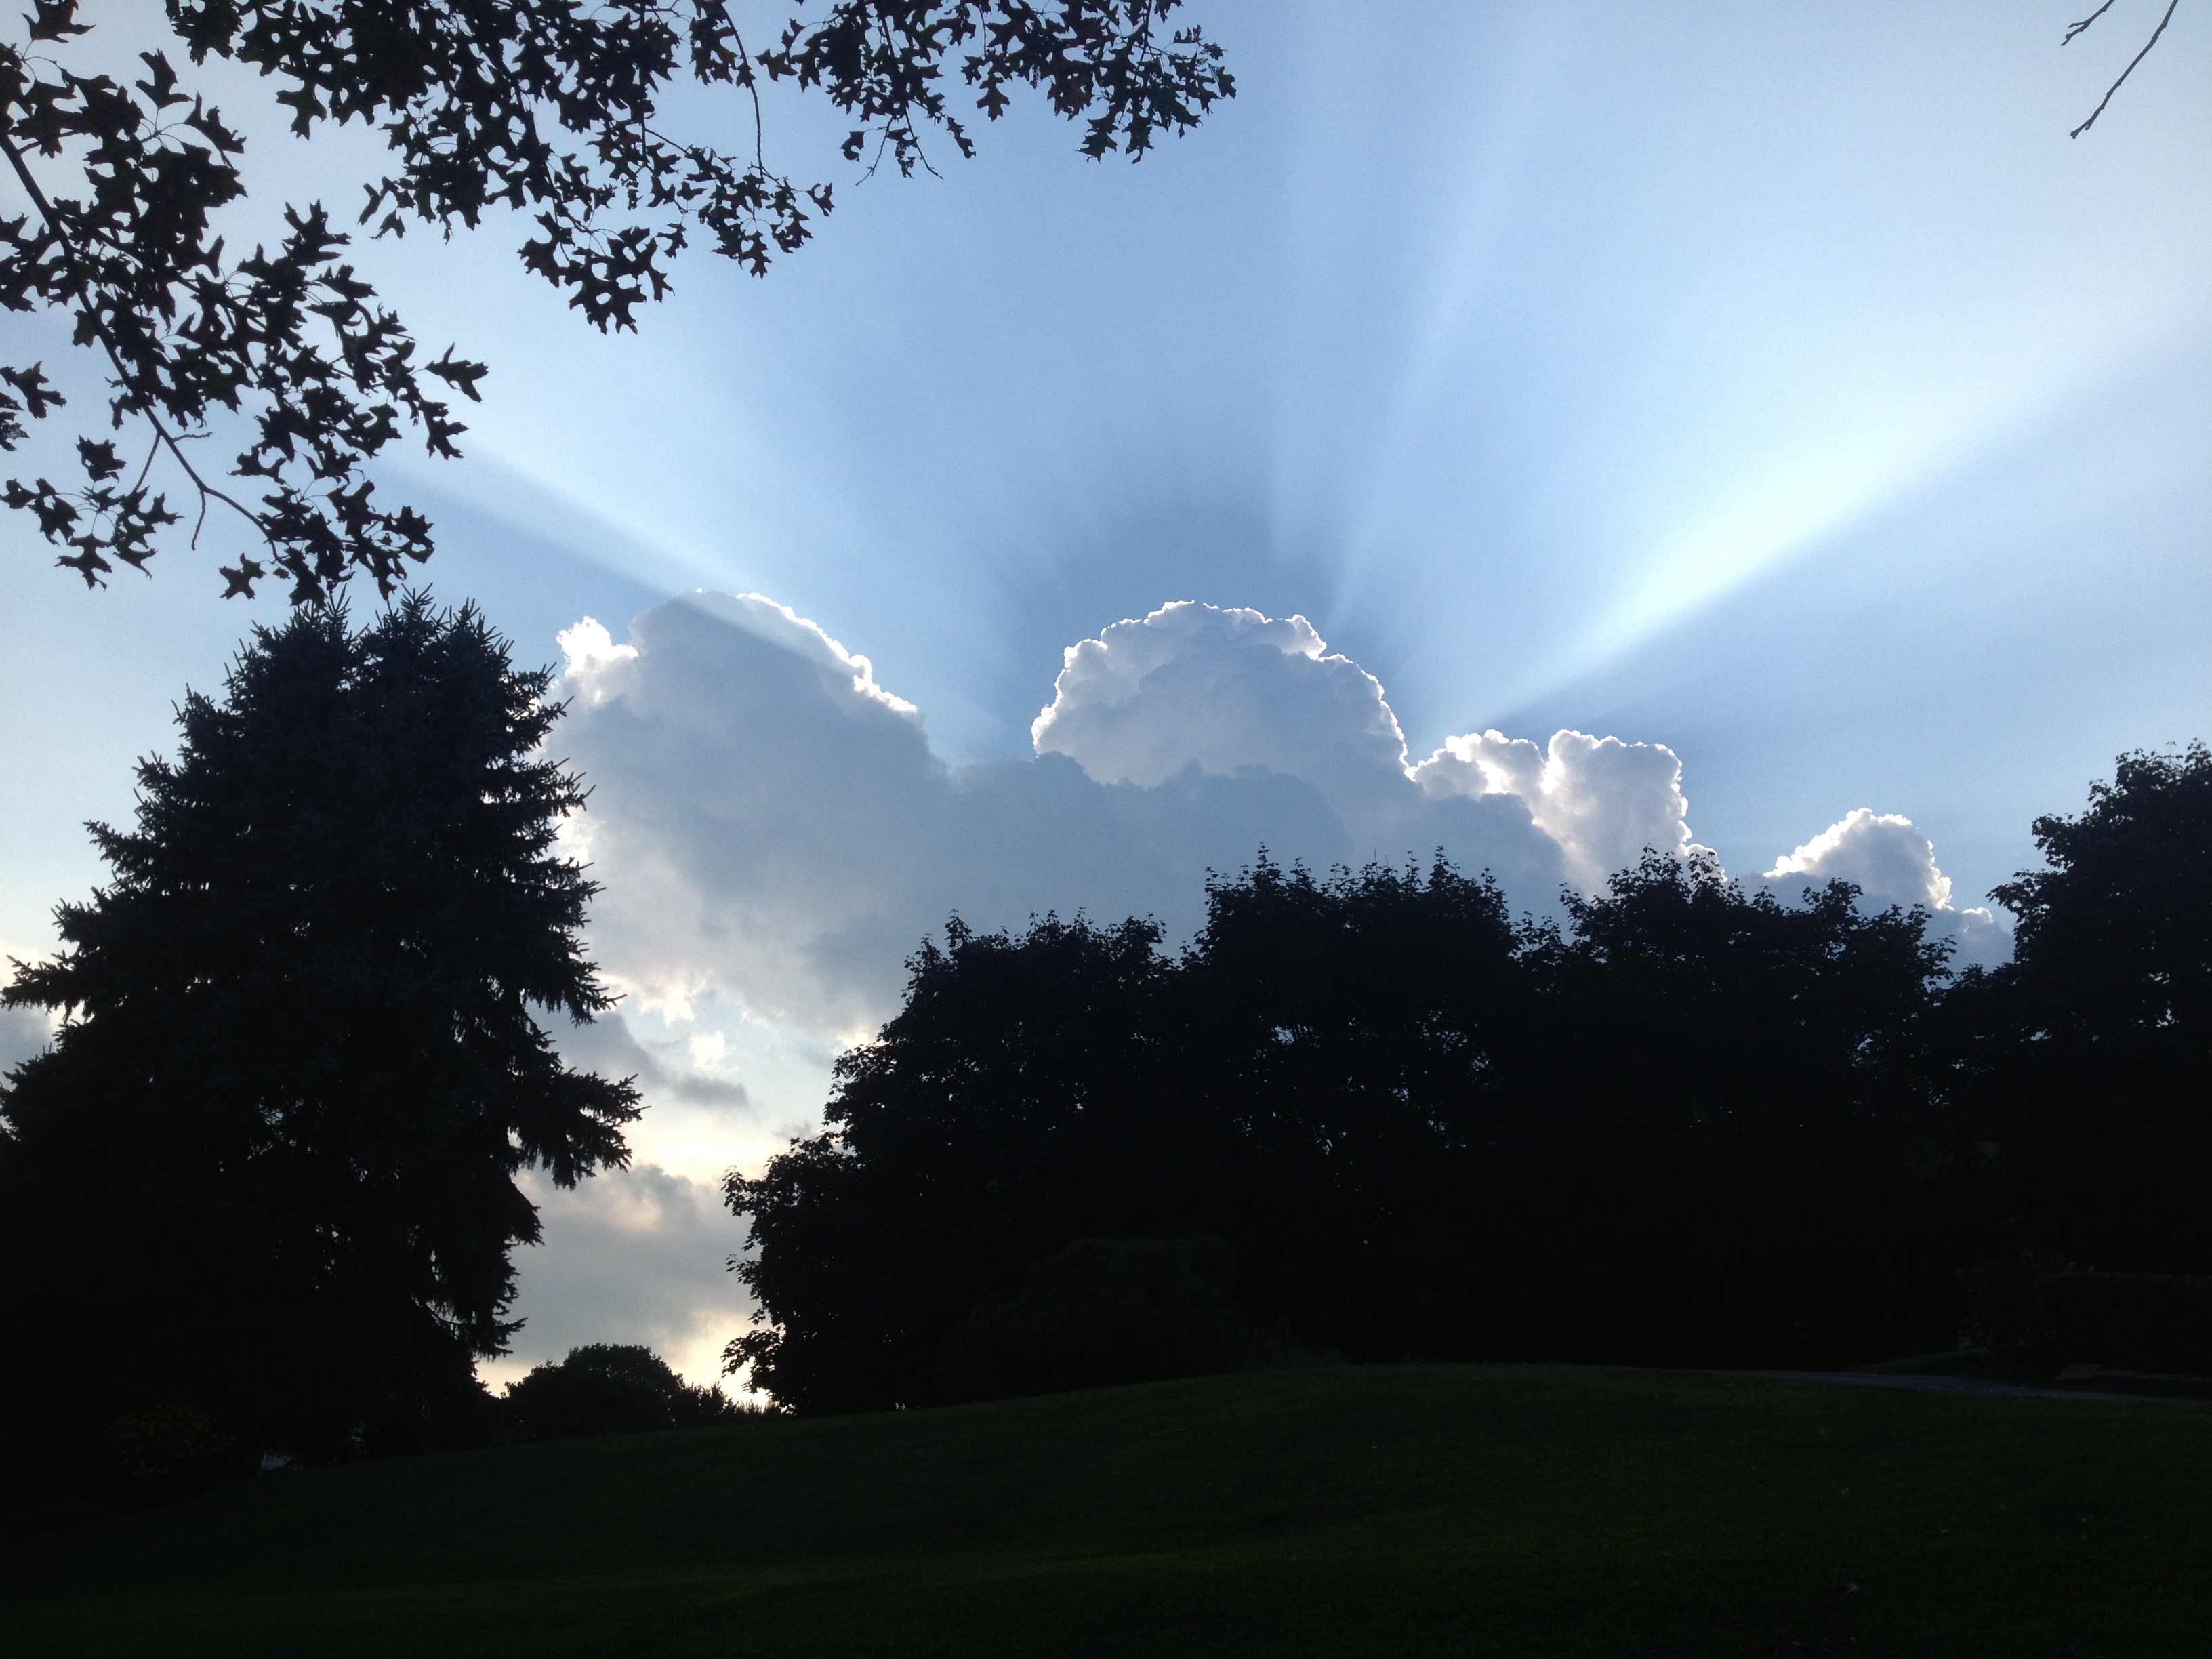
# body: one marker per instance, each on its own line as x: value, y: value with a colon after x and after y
x: 1602, y: 800
x: 776, y: 835
x: 1883, y: 853
x: 1888, y: 857
x: 772, y: 825
x: 1224, y: 690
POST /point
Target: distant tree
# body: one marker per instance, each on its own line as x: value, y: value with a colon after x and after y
x: 2085, y: 1059
x: 611, y: 1389
x: 267, y: 1169
x: 551, y: 107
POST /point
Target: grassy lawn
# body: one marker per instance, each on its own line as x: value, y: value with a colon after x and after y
x: 1400, y: 1510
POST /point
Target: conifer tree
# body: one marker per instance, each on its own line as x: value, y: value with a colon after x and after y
x: 265, y: 1173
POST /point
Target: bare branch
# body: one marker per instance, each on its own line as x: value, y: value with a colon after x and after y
x: 2130, y: 70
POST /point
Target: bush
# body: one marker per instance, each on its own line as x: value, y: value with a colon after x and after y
x: 1106, y: 1310
x: 2139, y: 1321
x: 608, y: 1388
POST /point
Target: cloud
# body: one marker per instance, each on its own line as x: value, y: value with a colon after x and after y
x: 1885, y: 854
x: 633, y: 1255
x: 24, y: 1034
x: 776, y: 834
x: 1194, y: 685
x: 774, y: 827
x: 1888, y: 857
x: 771, y: 824
x: 608, y: 1047
x: 1602, y: 800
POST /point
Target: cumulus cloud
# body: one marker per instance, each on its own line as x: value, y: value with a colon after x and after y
x: 1602, y: 800
x: 773, y: 826
x: 770, y: 823
x: 1884, y: 854
x: 1222, y: 691
x: 776, y: 834
x: 1888, y: 857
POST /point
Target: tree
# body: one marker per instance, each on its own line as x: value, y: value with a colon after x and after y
x: 2084, y: 1058
x: 266, y: 1169
x: 1738, y: 1160
x: 1015, y: 1102
x: 550, y: 107
x: 1693, y: 1126
x: 1106, y: 1310
x: 611, y: 1387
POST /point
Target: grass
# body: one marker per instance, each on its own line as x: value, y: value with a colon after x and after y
x: 1399, y: 1510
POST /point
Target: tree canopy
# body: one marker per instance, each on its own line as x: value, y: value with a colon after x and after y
x: 551, y: 107
x: 267, y: 1169
x: 1424, y: 1131
x: 2086, y: 1057
x: 609, y: 1388
x: 1687, y: 1124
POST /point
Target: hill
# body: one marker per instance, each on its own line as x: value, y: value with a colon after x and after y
x: 1400, y: 1510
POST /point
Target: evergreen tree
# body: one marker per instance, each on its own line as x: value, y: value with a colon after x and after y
x: 265, y: 1171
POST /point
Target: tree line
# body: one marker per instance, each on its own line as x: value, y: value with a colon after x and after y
x: 1692, y: 1125
x: 260, y: 1191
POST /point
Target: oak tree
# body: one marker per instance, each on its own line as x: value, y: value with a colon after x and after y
x: 552, y: 108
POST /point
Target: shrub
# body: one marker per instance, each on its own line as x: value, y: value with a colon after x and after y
x: 1105, y: 1310
x: 2141, y: 1322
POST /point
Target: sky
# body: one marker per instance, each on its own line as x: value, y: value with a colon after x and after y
x: 1772, y: 402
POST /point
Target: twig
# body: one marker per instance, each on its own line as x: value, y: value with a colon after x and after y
x: 2072, y: 29
x: 2125, y: 73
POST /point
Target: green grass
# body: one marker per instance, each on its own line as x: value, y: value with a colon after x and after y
x: 1421, y: 1509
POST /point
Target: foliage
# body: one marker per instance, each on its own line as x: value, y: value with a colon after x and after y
x: 1687, y: 1128
x: 611, y: 1389
x: 1012, y: 1105
x: 2148, y: 1321
x: 170, y: 1445
x: 548, y: 107
x: 2085, y: 1058
x: 278, y: 1128
x: 1105, y: 1310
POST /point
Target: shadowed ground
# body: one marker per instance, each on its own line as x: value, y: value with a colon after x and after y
x: 1417, y: 1510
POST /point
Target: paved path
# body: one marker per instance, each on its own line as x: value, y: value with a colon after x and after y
x: 1977, y: 1385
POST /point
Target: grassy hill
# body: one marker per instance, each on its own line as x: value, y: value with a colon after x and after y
x: 1421, y: 1509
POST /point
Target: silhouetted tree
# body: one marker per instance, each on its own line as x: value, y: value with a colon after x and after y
x: 1348, y: 1037
x: 1020, y: 1100
x: 1733, y: 1156
x: 553, y: 108
x: 267, y: 1169
x: 1692, y: 1125
x: 2084, y: 1061
x: 611, y: 1387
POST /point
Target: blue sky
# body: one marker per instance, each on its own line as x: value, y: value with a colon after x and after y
x: 1777, y: 383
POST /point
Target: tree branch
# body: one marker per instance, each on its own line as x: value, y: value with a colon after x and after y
x: 2130, y: 70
